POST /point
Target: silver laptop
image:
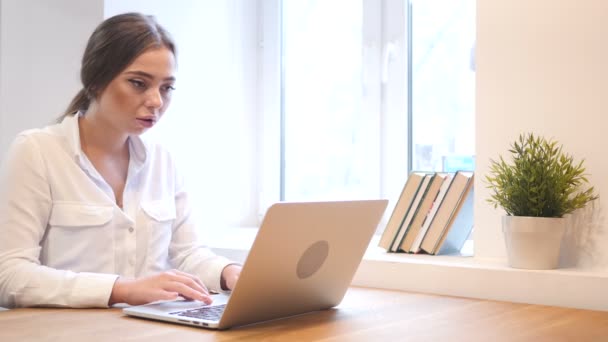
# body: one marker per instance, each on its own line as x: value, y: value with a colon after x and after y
x: 303, y: 259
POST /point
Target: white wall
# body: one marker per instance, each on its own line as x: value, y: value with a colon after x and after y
x: 542, y: 67
x: 41, y: 44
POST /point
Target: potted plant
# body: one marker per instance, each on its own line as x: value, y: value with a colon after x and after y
x: 536, y: 188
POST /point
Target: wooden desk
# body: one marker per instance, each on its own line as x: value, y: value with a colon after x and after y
x: 364, y: 315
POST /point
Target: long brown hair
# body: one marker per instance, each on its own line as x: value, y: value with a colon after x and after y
x: 113, y: 46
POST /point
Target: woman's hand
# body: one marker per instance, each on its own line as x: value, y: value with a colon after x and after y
x: 163, y: 286
x: 230, y: 275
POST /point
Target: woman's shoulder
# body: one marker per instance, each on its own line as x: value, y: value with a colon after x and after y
x: 154, y: 146
x: 28, y: 136
x: 46, y: 136
x: 157, y: 151
x: 32, y: 144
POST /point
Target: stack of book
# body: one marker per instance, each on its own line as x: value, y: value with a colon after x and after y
x: 433, y: 214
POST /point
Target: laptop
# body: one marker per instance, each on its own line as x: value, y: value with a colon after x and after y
x: 303, y: 259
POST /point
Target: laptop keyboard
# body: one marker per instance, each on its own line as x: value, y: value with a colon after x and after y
x: 212, y: 313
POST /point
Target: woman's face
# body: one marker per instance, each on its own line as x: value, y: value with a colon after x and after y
x: 137, y: 98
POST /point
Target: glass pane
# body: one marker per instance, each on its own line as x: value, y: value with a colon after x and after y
x: 443, y: 84
x: 327, y: 136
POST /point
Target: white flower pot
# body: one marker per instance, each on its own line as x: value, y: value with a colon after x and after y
x: 533, y: 242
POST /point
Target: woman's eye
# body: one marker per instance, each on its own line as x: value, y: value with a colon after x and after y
x: 138, y: 84
x: 168, y: 88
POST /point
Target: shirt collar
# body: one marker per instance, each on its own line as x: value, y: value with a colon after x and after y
x: 137, y: 146
x: 138, y: 151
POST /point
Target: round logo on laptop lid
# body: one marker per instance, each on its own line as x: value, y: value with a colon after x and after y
x: 312, y: 259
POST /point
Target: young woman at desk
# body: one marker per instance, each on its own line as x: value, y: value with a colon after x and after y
x: 91, y: 214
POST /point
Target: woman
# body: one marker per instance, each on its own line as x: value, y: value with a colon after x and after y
x: 90, y: 213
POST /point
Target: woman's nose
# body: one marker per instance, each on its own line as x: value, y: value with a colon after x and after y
x: 154, y: 98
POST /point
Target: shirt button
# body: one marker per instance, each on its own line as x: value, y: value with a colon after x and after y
x: 131, y: 229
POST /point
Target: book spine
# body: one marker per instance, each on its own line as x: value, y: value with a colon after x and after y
x: 460, y: 229
x: 405, y: 224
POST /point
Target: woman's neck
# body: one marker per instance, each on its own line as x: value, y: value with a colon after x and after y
x: 98, y: 137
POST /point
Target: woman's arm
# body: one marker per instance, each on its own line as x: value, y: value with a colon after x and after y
x: 25, y: 207
x: 230, y: 275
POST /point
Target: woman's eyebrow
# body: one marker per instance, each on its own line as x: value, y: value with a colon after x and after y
x: 147, y: 75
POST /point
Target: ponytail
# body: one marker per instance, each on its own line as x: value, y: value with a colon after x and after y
x: 79, y: 102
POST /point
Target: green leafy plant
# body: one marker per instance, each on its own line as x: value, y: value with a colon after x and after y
x: 540, y: 181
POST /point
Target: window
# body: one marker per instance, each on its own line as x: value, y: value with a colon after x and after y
x: 330, y: 145
x: 443, y: 84
x: 353, y: 124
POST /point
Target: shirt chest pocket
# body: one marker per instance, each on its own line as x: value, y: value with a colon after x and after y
x: 75, y: 215
x: 160, y: 210
x: 158, y: 218
x: 78, y: 236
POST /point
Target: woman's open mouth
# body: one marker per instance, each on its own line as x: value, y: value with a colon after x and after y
x: 146, y: 122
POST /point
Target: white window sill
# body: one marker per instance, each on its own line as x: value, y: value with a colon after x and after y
x: 456, y: 275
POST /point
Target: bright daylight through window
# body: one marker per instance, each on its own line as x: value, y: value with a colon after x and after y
x: 329, y: 146
x: 443, y: 85
x: 332, y: 137
x: 337, y: 81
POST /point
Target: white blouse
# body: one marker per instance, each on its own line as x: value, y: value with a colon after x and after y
x: 63, y: 239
